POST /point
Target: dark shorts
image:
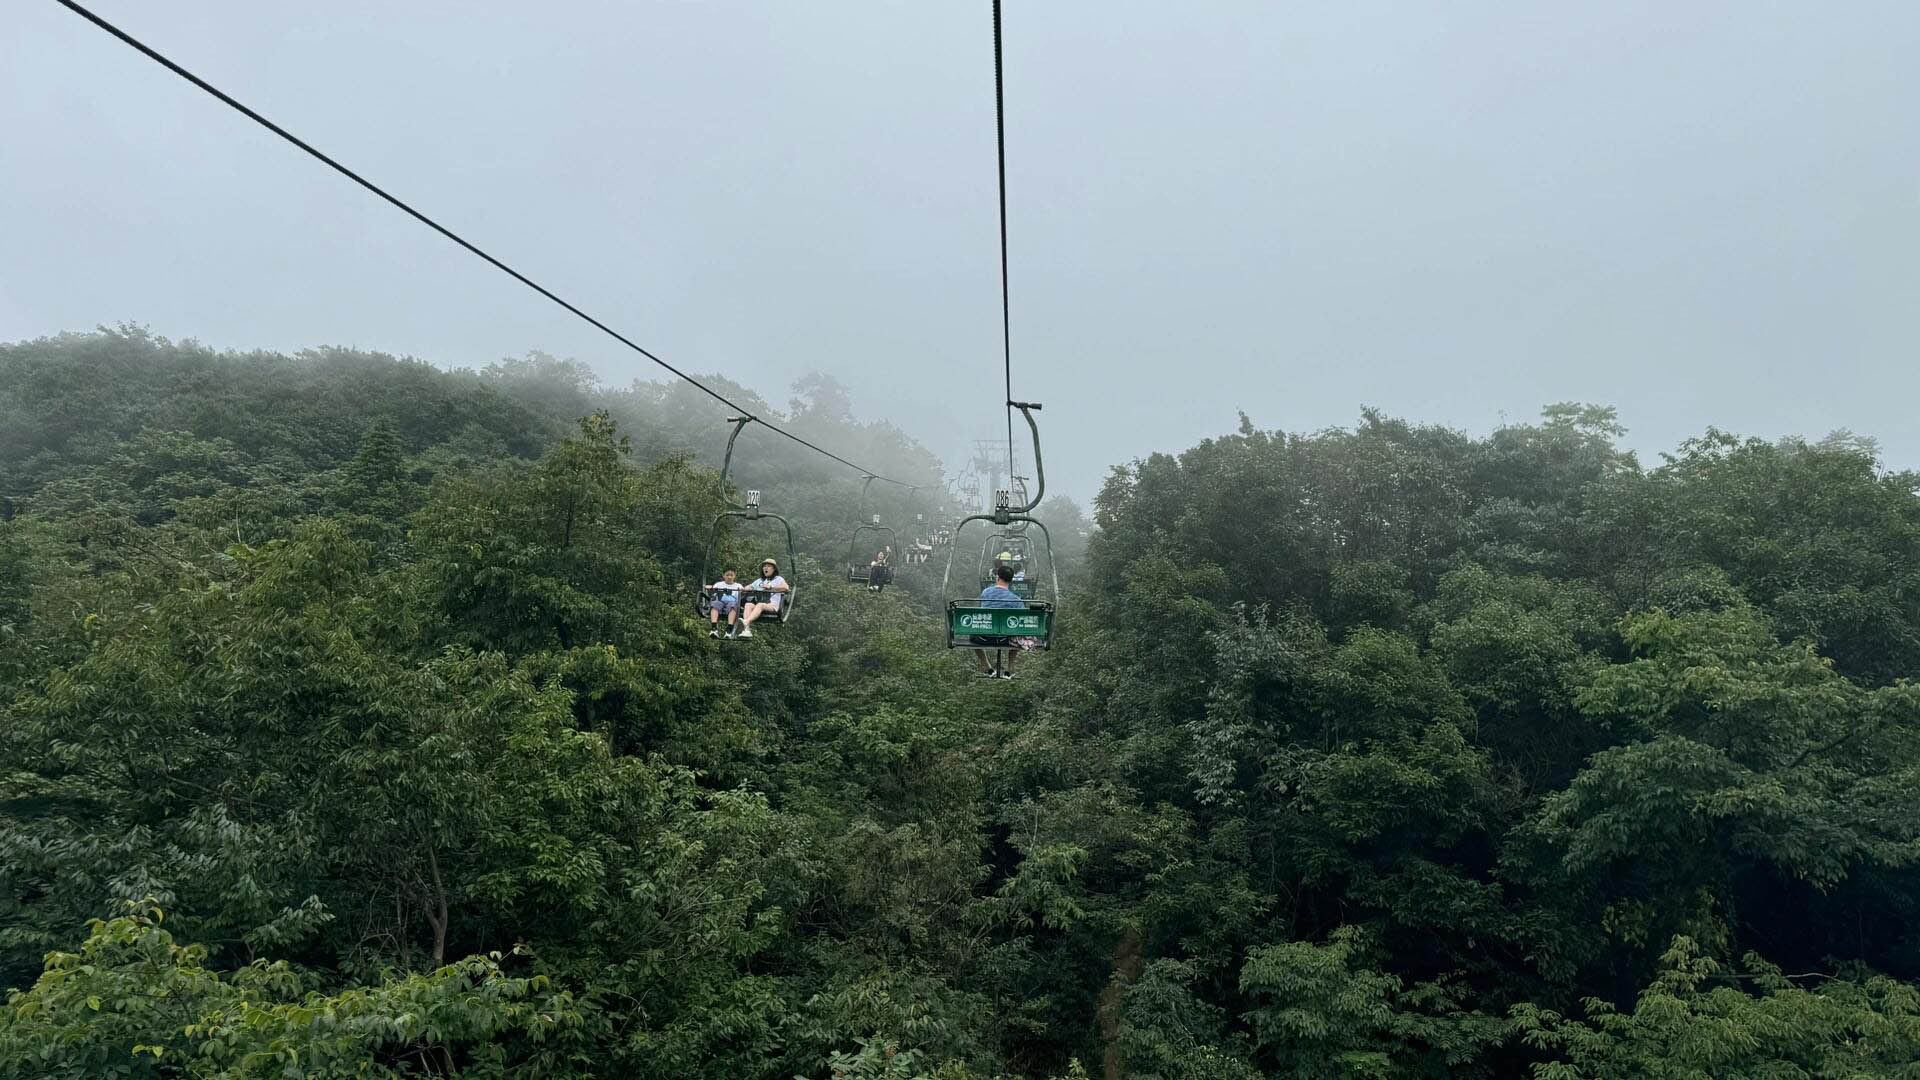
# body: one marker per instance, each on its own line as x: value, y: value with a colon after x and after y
x: 991, y: 642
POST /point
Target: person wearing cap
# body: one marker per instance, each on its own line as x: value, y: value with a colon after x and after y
x: 769, y: 582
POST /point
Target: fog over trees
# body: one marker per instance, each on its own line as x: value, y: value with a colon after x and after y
x: 356, y: 720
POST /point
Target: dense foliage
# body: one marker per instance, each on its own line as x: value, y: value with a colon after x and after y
x: 357, y: 723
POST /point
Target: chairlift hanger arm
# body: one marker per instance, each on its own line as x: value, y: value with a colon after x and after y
x: 1027, y: 409
x: 726, y: 464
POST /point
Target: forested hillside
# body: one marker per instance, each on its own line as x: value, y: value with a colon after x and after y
x: 357, y: 722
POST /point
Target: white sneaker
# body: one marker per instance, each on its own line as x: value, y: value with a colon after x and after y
x: 713, y: 633
x: 745, y: 631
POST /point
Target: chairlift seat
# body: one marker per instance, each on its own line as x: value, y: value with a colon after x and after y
x: 704, y: 605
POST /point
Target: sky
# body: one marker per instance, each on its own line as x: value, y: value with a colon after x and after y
x: 1702, y: 213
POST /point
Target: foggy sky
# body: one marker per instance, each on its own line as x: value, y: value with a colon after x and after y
x: 1701, y: 212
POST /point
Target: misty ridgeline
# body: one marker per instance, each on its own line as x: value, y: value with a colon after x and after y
x: 358, y: 722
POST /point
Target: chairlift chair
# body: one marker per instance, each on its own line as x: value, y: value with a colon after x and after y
x: 859, y: 572
x: 749, y: 510
x: 977, y: 624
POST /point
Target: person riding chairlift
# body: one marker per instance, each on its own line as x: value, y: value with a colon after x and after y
x: 726, y: 597
x: 879, y: 574
x: 769, y: 582
x: 998, y: 595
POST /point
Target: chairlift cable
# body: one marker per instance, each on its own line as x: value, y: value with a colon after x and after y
x: 1006, y: 304
x: 523, y: 279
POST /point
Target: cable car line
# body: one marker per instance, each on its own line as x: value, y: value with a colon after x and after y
x: 228, y: 100
x: 1006, y: 303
